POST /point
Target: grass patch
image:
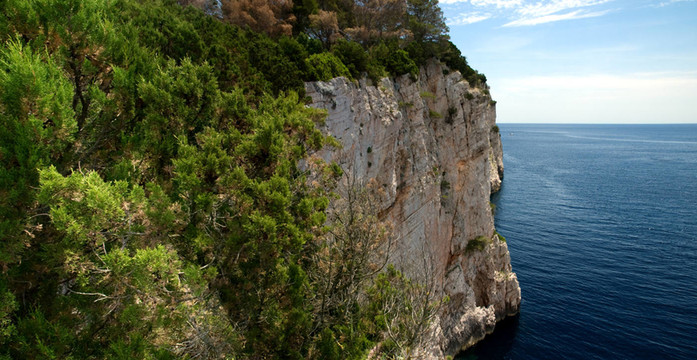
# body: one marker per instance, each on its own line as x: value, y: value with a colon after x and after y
x: 427, y: 95
x: 434, y: 114
x: 405, y: 104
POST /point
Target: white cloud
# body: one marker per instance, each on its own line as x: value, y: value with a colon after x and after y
x: 670, y: 2
x: 487, y: 3
x: 603, y: 98
x: 578, y: 14
x: 527, y: 12
x: 544, y: 8
x: 468, y: 18
x: 500, y: 4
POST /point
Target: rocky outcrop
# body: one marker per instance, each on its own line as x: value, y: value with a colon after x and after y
x: 433, y: 147
x: 495, y: 159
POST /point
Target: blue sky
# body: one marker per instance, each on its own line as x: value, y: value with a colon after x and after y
x: 582, y: 61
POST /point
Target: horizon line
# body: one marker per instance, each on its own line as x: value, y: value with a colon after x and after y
x: 560, y: 123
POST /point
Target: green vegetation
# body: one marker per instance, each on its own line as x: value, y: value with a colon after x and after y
x: 152, y: 202
x: 403, y: 104
x: 325, y: 66
x: 444, y: 185
x: 477, y: 244
x: 427, y: 95
x: 434, y: 114
x: 353, y: 55
x: 495, y: 128
x: 452, y: 113
x: 500, y: 236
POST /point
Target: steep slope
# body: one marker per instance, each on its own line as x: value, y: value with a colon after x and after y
x: 433, y: 147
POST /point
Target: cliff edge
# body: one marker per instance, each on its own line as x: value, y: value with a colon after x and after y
x: 433, y: 146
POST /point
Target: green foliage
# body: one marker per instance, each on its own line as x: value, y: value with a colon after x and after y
x: 405, y: 104
x: 260, y: 237
x: 8, y: 305
x: 376, y: 69
x: 302, y: 9
x: 312, y: 45
x: 426, y: 21
x: 325, y: 66
x: 38, y: 127
x: 115, y: 271
x: 393, y: 59
x: 159, y: 197
x: 352, y: 55
x: 444, y: 185
x: 477, y: 244
x: 328, y: 346
x: 399, y: 62
x: 452, y: 113
x: 404, y: 309
x: 453, y: 58
x: 427, y: 95
x: 282, y: 64
x: 501, y: 238
x: 495, y: 128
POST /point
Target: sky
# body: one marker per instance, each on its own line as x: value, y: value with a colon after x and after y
x: 582, y: 61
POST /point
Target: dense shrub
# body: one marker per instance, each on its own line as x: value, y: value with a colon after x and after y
x: 325, y: 66
x: 352, y: 55
x: 399, y: 63
x: 394, y: 60
x: 477, y: 244
x: 453, y: 58
x: 312, y: 45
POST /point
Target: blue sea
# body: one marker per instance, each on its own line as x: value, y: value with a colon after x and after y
x: 601, y: 223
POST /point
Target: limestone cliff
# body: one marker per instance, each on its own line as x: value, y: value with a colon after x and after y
x: 433, y: 146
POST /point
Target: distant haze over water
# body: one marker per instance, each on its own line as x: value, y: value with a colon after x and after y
x: 601, y: 222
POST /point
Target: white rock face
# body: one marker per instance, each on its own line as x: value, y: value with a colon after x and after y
x: 432, y: 146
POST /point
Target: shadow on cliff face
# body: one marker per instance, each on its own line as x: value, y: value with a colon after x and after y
x: 496, y: 345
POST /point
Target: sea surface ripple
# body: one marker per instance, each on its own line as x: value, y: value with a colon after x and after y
x: 601, y: 223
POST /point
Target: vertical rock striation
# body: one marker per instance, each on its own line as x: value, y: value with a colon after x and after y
x: 433, y: 146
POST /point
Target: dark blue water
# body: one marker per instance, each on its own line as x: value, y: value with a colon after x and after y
x: 601, y: 222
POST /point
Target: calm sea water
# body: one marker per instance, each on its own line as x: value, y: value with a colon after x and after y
x: 601, y: 222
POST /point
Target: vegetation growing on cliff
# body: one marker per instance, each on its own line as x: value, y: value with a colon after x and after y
x: 152, y: 198
x: 477, y: 244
